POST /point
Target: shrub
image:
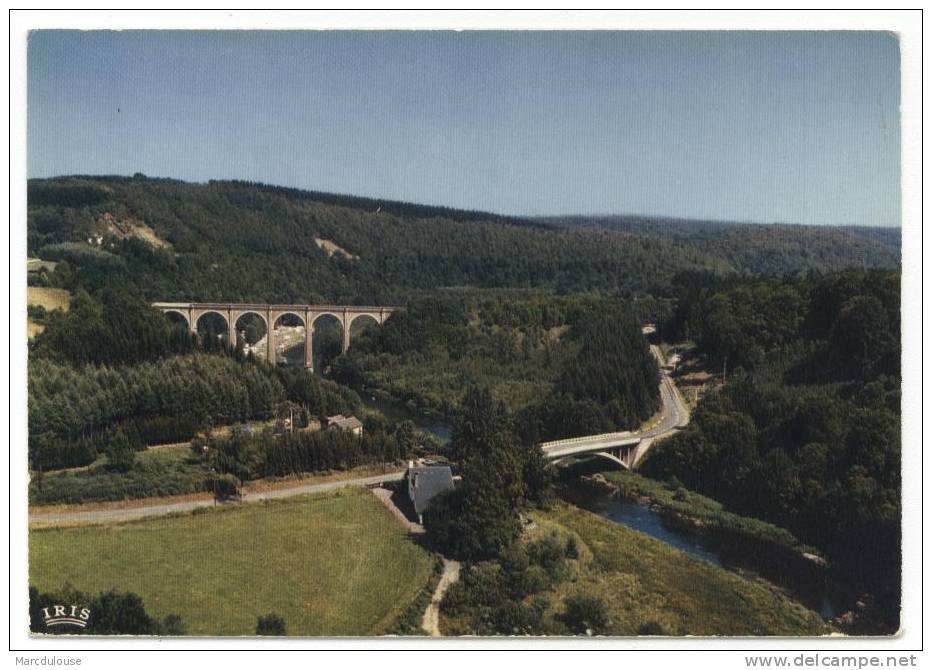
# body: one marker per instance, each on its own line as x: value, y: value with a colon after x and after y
x: 585, y: 614
x: 548, y: 553
x: 270, y: 624
x: 515, y: 618
x: 572, y: 547
x: 653, y: 628
x: 536, y: 579
x: 223, y: 485
x: 121, y: 450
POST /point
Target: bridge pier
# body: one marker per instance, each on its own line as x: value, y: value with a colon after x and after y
x: 269, y: 338
x: 308, y: 342
x: 344, y: 344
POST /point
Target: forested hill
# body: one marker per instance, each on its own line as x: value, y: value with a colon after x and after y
x: 763, y: 248
x: 163, y: 238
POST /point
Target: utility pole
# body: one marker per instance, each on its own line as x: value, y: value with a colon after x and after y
x: 724, y: 370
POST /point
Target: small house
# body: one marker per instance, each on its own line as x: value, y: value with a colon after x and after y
x: 348, y: 423
x: 425, y: 483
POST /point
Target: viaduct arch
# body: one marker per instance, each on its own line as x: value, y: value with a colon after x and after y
x: 345, y: 315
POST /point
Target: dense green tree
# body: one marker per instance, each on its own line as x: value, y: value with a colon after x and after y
x: 480, y: 519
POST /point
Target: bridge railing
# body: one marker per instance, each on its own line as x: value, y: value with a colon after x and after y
x: 587, y: 438
x: 240, y: 306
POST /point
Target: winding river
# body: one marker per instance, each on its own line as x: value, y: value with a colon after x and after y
x: 814, y: 593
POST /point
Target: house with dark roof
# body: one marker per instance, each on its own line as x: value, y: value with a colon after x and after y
x: 425, y: 482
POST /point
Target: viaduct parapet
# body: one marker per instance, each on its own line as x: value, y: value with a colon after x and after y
x: 192, y: 312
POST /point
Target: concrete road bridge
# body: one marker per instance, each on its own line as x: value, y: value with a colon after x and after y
x: 627, y: 448
x: 231, y: 313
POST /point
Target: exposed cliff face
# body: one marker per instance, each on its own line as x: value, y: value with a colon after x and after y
x: 125, y: 228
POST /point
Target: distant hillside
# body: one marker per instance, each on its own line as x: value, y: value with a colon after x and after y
x: 750, y: 244
x: 163, y: 238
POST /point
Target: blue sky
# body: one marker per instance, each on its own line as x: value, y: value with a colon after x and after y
x: 796, y: 127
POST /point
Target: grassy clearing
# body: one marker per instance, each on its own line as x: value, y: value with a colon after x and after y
x: 333, y: 564
x: 37, y: 264
x: 645, y: 582
x: 49, y: 298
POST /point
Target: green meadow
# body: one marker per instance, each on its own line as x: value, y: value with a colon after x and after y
x: 330, y: 564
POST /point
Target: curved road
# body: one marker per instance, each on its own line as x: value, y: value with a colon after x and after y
x: 673, y: 416
x: 675, y: 413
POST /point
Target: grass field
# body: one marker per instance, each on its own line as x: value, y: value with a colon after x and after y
x: 331, y: 564
x: 649, y: 587
x: 49, y: 298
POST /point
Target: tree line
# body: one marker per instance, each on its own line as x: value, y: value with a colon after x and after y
x: 248, y: 455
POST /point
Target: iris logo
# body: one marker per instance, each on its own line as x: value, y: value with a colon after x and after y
x: 60, y: 615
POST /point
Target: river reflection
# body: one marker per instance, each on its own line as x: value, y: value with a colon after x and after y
x: 813, y: 592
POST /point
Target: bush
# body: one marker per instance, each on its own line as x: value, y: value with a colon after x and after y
x: 515, y: 618
x: 585, y: 614
x: 548, y: 553
x: 572, y: 548
x: 223, y: 485
x: 536, y: 579
x: 270, y: 624
x: 653, y: 628
x: 109, y: 613
x: 121, y: 450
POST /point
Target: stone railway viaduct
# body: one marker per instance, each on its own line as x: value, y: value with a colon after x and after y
x: 192, y: 312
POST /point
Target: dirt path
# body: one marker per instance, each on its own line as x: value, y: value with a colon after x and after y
x: 431, y: 621
x: 385, y: 497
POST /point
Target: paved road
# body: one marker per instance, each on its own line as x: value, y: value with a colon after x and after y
x: 674, y: 415
x: 187, y: 506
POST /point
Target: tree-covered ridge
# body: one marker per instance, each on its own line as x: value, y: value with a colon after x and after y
x: 574, y: 364
x: 425, y: 355
x: 771, y: 249
x: 806, y: 431
x: 238, y: 241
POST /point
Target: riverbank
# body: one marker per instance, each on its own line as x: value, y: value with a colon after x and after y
x: 642, y: 585
x: 692, y: 512
x: 745, y: 545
